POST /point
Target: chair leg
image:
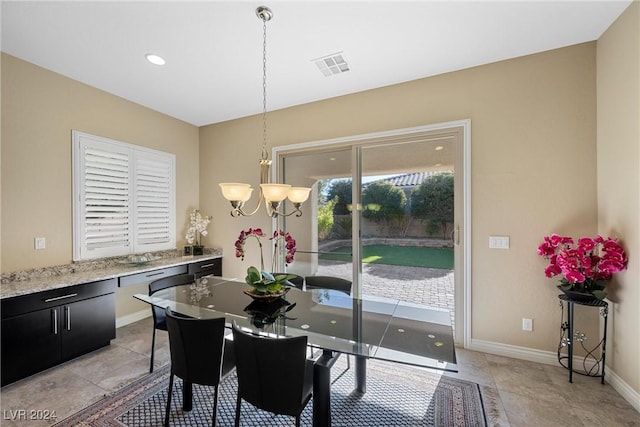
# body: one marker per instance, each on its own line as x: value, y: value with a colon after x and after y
x: 215, y: 405
x: 298, y: 421
x: 168, y: 409
x: 238, y: 411
x: 153, y: 346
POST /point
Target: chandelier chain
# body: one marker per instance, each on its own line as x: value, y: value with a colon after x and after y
x: 264, y: 90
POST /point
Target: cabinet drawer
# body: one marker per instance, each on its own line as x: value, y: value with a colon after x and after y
x: 41, y: 300
x: 148, y: 276
x: 204, y: 268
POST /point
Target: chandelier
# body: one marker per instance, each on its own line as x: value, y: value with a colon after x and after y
x: 271, y: 194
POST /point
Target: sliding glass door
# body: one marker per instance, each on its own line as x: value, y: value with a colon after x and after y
x: 385, y: 212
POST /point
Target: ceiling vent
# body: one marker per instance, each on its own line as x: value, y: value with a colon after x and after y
x: 332, y: 64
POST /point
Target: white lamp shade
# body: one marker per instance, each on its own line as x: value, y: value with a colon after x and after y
x: 235, y: 191
x: 275, y: 192
x: 299, y: 194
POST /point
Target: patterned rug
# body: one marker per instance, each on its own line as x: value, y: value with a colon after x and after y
x: 396, y: 396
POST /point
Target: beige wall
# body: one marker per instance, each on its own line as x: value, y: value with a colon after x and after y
x: 39, y: 110
x: 533, y: 173
x: 618, y: 71
x: 534, y: 163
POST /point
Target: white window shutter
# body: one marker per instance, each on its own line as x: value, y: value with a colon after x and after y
x: 154, y: 201
x: 124, y: 198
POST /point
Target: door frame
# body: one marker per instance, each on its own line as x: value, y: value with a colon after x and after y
x: 462, y: 239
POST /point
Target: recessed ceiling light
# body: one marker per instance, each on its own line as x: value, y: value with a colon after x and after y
x: 439, y: 147
x: 155, y: 59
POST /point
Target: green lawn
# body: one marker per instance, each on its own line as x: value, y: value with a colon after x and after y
x: 410, y: 256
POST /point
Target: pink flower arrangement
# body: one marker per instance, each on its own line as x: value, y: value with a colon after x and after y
x: 585, y: 266
x: 257, y: 233
x: 264, y: 282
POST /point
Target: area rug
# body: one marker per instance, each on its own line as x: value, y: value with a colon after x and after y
x: 395, y: 396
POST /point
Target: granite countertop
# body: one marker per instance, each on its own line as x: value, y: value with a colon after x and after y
x: 37, y: 280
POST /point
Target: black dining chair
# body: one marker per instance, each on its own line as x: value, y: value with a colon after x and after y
x: 199, y: 354
x: 159, y: 321
x: 332, y: 283
x: 297, y: 281
x: 274, y: 374
x: 328, y: 282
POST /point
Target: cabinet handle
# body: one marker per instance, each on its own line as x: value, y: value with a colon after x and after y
x: 155, y: 274
x: 59, y: 298
x: 67, y: 310
x: 204, y: 267
x: 54, y: 313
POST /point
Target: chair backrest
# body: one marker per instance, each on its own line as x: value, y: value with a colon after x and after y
x: 159, y: 320
x: 271, y: 371
x: 328, y: 282
x: 297, y: 281
x: 197, y: 347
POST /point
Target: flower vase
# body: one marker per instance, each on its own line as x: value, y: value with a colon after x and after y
x: 198, y: 250
x: 578, y: 296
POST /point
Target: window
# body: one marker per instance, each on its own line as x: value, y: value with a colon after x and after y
x: 123, y: 197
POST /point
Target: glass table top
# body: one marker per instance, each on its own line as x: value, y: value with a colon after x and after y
x: 376, y: 328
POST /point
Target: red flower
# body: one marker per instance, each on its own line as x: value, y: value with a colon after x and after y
x: 591, y: 260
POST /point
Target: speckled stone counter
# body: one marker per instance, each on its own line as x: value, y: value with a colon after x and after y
x: 36, y: 280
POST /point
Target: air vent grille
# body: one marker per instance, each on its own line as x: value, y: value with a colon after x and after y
x: 330, y: 65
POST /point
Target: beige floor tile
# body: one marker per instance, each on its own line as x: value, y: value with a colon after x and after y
x: 527, y: 411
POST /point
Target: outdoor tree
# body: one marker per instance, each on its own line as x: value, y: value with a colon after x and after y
x: 433, y: 201
x: 325, y: 219
x: 340, y: 189
x: 383, y: 202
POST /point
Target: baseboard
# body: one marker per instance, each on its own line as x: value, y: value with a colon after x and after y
x: 133, y: 317
x: 551, y: 358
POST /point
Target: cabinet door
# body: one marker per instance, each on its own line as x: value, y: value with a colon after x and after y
x: 30, y: 343
x: 88, y: 325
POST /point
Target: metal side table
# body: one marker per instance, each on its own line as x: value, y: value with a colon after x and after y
x: 593, y: 364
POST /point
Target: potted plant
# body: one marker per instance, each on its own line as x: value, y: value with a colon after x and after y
x: 197, y: 229
x: 266, y: 285
x: 585, y: 266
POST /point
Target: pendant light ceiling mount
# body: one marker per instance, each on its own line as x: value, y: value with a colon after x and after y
x: 271, y: 194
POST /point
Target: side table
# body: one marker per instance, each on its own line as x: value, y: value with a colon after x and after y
x: 568, y: 338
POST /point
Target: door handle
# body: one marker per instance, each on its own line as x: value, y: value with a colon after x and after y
x: 54, y: 315
x: 67, y: 311
x: 455, y: 235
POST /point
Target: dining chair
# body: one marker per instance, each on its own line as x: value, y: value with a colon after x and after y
x: 297, y: 281
x: 199, y: 354
x: 328, y: 282
x: 332, y: 283
x: 274, y: 374
x: 159, y: 320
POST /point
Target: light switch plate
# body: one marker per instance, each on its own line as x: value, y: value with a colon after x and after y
x: 499, y: 242
x: 39, y: 243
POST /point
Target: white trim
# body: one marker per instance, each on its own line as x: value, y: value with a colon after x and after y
x: 132, y: 318
x: 395, y: 135
x: 551, y: 358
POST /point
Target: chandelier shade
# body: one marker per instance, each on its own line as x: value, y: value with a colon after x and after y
x: 272, y: 194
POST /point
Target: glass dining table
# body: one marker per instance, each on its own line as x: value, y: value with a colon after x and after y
x: 333, y: 322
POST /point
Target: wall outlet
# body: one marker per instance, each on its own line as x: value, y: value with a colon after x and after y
x: 499, y: 242
x: 39, y: 243
x: 527, y: 324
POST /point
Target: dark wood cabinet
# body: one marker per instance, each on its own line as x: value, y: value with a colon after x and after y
x: 43, y: 329
x: 205, y: 268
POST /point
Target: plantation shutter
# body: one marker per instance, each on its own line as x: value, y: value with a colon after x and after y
x: 124, y: 198
x: 153, y: 197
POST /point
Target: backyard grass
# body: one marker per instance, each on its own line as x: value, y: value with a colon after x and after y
x: 411, y: 256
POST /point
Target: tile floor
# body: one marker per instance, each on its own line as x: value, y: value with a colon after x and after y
x: 516, y: 392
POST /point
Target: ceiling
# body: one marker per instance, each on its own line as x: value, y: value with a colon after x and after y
x: 213, y: 50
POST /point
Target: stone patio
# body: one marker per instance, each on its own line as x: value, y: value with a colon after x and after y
x: 427, y: 286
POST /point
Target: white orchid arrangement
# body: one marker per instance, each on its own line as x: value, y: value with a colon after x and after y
x: 197, y: 227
